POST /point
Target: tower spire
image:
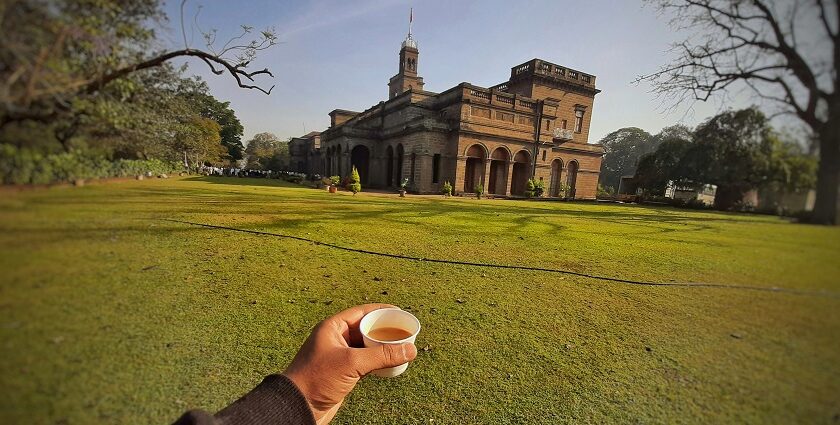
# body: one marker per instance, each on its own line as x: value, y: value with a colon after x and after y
x: 409, y: 40
x: 410, y: 21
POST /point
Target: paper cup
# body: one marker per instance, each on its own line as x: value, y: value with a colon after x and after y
x: 389, y: 318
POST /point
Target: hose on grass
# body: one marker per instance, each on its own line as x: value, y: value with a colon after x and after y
x: 822, y: 294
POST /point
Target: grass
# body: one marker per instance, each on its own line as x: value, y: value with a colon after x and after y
x: 110, y: 315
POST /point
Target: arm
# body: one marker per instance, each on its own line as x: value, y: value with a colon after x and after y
x: 313, y: 387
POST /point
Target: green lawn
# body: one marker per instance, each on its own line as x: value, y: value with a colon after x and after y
x: 109, y: 314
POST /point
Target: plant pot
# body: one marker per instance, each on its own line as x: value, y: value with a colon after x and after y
x: 333, y: 189
x: 402, y: 193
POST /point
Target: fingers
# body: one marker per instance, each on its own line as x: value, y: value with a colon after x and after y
x: 382, y: 356
x: 354, y: 314
x: 347, y: 321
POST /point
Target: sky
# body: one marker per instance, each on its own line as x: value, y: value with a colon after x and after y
x: 339, y: 54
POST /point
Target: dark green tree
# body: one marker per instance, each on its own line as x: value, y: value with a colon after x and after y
x: 732, y: 151
x: 656, y: 169
x: 623, y: 148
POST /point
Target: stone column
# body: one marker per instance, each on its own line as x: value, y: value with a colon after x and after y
x: 460, y: 173
x: 488, y: 165
x: 509, y: 177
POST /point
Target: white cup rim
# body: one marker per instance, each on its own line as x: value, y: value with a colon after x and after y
x: 400, y: 341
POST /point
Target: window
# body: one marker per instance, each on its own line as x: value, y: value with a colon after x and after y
x: 544, y: 152
x: 548, y: 124
x: 578, y: 121
x: 564, y: 124
x: 436, y: 168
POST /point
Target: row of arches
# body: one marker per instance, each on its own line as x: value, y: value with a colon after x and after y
x: 361, y: 157
x: 498, y: 161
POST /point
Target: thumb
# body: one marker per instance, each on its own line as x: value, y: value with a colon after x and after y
x: 382, y: 356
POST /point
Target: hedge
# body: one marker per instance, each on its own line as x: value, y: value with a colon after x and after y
x: 23, y: 166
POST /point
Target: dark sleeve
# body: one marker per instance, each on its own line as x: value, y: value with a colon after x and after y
x: 276, y: 400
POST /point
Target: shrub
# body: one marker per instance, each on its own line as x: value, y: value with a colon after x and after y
x: 479, y: 190
x: 539, y: 188
x: 563, y: 189
x: 605, y: 192
x: 447, y: 189
x: 335, y: 180
x: 24, y: 166
x: 355, y: 184
x: 535, y: 188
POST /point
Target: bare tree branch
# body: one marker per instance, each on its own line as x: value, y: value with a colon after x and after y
x: 235, y: 70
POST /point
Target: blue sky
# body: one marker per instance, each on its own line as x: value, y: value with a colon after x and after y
x: 341, y: 53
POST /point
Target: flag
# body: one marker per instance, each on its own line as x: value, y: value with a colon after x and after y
x: 411, y: 15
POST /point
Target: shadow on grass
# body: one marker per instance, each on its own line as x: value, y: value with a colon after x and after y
x: 245, y: 181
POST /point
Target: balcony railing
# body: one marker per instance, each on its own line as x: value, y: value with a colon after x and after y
x: 480, y: 94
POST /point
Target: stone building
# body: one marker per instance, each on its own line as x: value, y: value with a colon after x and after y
x: 535, y: 125
x: 305, y: 153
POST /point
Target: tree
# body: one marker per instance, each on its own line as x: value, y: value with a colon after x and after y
x: 266, y: 152
x: 59, y: 56
x: 623, y: 148
x: 656, y: 169
x: 732, y: 151
x: 199, y: 140
x: 231, y: 129
x: 735, y: 150
x: 355, y: 184
x: 760, y: 45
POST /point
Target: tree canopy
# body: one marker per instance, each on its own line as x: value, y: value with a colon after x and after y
x: 785, y: 52
x: 88, y: 75
x: 736, y: 150
x: 626, y: 146
x: 265, y: 151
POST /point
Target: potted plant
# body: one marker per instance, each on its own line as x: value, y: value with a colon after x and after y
x: 447, y: 189
x: 334, y: 181
x: 403, y: 187
x: 479, y: 190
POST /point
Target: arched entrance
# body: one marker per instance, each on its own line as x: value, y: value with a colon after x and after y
x: 556, y: 169
x: 498, y: 171
x: 474, y: 169
x: 389, y: 174
x: 360, y: 158
x: 571, y: 178
x: 519, y: 181
x: 399, y: 165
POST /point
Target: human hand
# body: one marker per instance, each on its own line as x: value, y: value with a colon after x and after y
x: 332, y: 360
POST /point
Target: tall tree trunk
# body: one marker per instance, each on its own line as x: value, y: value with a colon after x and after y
x: 828, y: 172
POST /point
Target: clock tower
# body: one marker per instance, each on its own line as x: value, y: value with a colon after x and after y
x: 407, y: 77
